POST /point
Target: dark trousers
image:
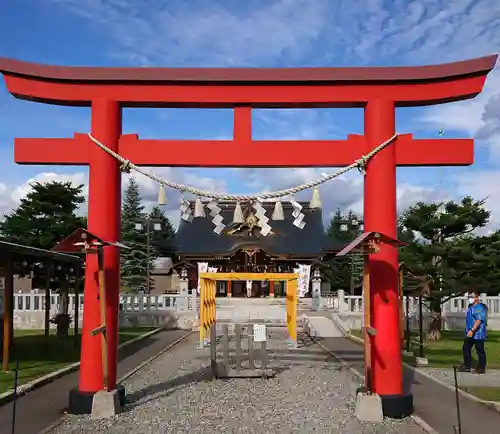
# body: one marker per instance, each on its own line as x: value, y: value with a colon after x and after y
x: 467, y: 351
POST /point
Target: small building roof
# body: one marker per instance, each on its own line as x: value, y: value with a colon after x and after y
x: 22, y: 251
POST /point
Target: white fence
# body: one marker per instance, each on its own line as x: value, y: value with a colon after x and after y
x: 354, y: 303
x: 174, y: 311
x: 34, y: 302
x: 144, y: 303
x: 350, y: 310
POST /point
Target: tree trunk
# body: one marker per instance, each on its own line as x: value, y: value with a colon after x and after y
x: 434, y: 333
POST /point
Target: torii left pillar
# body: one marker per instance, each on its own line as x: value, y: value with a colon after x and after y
x: 103, y: 221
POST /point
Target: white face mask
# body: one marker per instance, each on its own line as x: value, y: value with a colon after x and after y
x: 471, y: 300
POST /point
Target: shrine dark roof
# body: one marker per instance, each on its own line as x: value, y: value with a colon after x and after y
x: 198, y: 239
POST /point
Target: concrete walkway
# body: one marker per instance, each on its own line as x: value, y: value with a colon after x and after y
x: 42, y: 407
x: 434, y: 403
x: 490, y: 379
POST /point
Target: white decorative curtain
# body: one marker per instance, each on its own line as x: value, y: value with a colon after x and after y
x: 304, y: 272
x: 202, y: 268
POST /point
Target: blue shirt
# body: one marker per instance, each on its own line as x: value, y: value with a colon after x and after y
x: 476, y: 312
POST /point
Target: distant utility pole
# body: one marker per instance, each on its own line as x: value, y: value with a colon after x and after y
x: 149, y: 225
x: 348, y: 226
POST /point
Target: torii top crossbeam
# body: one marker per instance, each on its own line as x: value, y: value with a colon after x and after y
x: 256, y: 87
x: 244, y: 89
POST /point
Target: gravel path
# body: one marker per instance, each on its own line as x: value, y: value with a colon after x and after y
x: 174, y: 394
x: 490, y: 379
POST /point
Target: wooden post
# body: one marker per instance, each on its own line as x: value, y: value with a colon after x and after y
x: 291, y: 310
x: 47, y: 301
x: 421, y: 325
x: 229, y: 292
x: 8, y: 315
x: 76, y: 305
x: 367, y: 324
x: 213, y: 351
x: 271, y: 288
x: 401, y: 308
x: 102, y: 307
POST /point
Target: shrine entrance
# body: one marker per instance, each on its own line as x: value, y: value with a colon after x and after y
x: 208, y: 283
x: 377, y: 153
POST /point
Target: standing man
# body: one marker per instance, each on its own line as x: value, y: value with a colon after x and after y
x: 475, y: 334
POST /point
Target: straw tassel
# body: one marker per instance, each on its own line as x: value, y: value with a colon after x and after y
x: 278, y: 211
x: 199, y: 211
x: 315, y: 199
x: 238, y: 214
x: 162, y: 196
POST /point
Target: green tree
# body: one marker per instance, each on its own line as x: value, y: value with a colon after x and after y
x: 444, y: 250
x: 134, y: 261
x: 160, y: 229
x: 344, y: 272
x: 344, y: 227
x: 166, y: 231
x: 45, y: 216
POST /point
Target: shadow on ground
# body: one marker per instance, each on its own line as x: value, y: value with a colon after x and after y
x: 160, y: 390
x: 290, y: 357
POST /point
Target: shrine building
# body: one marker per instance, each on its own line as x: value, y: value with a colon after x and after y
x: 242, y: 248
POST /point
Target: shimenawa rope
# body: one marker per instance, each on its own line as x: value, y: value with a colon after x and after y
x: 127, y: 166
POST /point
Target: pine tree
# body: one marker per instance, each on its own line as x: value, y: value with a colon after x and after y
x: 160, y: 229
x: 345, y: 272
x: 134, y: 261
x: 166, y: 232
x: 446, y: 251
x: 45, y: 216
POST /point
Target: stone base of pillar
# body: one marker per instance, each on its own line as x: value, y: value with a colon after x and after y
x: 369, y: 408
x: 81, y: 402
x: 393, y: 406
x: 105, y: 404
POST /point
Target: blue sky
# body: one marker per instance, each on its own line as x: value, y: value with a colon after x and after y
x: 270, y: 33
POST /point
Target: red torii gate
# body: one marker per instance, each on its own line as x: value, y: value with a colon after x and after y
x: 378, y: 90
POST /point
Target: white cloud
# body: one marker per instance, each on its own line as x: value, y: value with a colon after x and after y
x: 285, y: 31
x: 479, y: 118
x: 11, y: 195
x: 205, y: 31
x: 302, y: 32
x: 484, y: 185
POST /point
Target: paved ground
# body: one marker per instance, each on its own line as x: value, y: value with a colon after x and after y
x: 44, y: 406
x: 434, y: 403
x: 174, y: 394
x: 490, y: 379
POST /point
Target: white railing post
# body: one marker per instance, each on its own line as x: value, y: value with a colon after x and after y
x: 343, y: 307
x: 317, y: 302
x: 183, y: 291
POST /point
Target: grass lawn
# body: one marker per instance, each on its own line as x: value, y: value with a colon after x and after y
x: 39, y: 355
x: 484, y: 393
x: 448, y: 351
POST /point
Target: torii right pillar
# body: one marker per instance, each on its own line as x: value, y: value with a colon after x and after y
x: 380, y: 214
